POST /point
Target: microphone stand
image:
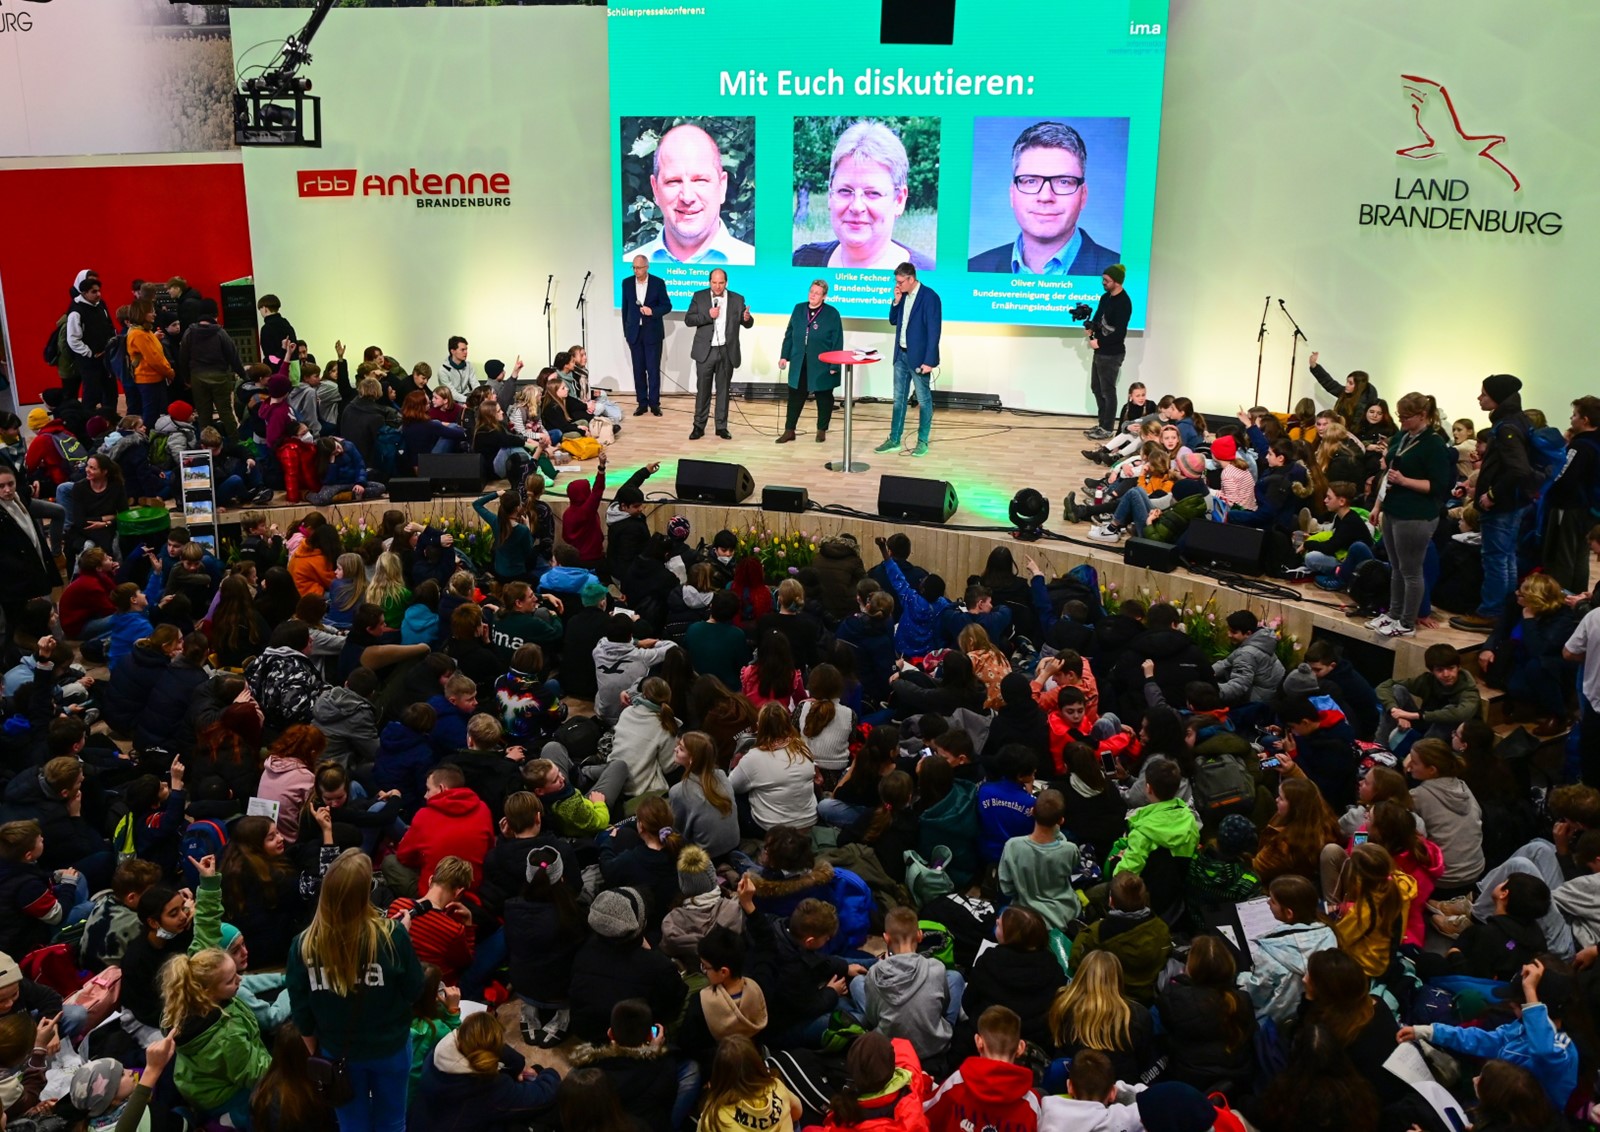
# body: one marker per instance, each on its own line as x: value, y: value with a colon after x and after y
x: 583, y: 312
x: 549, y: 324
x: 1261, y: 345
x: 1294, y: 352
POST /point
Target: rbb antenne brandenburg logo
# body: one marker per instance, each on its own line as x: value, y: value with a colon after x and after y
x: 326, y: 182
x: 1432, y: 97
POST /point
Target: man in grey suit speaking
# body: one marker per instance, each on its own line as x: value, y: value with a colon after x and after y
x: 716, y: 314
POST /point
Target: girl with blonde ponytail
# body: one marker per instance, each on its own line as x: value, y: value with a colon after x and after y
x: 473, y: 1079
x: 220, y: 1052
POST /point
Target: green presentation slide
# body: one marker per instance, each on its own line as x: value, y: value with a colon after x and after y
x: 787, y: 144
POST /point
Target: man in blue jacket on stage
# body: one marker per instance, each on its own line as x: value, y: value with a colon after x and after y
x: 916, y: 315
x: 644, y: 301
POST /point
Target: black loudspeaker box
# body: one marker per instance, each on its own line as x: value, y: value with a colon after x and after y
x: 1229, y: 545
x: 1149, y: 554
x: 452, y: 473
x: 905, y: 497
x: 708, y: 481
x: 795, y: 499
x: 411, y: 489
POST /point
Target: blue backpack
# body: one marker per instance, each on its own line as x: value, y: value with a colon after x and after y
x: 1089, y: 578
x: 388, y: 451
x: 201, y: 839
x: 853, y: 899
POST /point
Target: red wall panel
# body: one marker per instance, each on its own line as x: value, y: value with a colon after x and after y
x: 128, y: 222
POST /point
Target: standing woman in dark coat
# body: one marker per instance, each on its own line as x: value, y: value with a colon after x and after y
x: 814, y: 329
x: 27, y: 569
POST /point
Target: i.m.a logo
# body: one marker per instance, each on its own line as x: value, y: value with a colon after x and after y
x: 431, y: 190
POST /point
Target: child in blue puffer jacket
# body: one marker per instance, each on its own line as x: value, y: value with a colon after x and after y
x: 343, y: 474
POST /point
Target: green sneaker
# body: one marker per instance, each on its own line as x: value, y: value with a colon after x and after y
x: 887, y: 446
x: 920, y: 450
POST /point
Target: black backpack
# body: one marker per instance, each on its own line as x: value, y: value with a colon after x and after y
x: 581, y: 738
x: 1221, y: 787
x: 1369, y: 586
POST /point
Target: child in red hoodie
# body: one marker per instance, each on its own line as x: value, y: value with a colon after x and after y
x: 453, y: 822
x: 990, y: 1090
x: 580, y: 522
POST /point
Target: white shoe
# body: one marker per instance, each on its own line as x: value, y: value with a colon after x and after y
x: 1380, y: 622
x: 1105, y: 533
x: 1397, y: 629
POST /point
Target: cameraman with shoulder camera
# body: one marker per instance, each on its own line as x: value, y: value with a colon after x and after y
x: 1108, y: 331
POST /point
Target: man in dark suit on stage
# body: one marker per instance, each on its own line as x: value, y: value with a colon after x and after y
x: 1049, y: 188
x: 644, y: 301
x: 918, y: 320
x: 716, y: 314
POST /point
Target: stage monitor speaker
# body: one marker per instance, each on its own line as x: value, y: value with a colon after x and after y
x: 906, y: 497
x: 793, y: 499
x: 1229, y: 545
x: 411, y: 489
x: 1148, y: 554
x: 452, y: 473
x: 707, y: 481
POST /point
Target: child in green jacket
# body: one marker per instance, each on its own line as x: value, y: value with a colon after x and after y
x: 220, y: 1054
x: 1166, y: 823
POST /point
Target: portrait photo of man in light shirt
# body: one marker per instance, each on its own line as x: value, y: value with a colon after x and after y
x: 1051, y: 184
x: 690, y: 187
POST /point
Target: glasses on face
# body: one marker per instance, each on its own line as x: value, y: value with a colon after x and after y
x: 844, y: 194
x: 1032, y: 184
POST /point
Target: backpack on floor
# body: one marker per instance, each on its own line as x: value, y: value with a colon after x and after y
x: 580, y: 736
x: 1369, y: 585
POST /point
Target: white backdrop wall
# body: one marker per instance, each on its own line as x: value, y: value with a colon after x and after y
x: 1280, y: 121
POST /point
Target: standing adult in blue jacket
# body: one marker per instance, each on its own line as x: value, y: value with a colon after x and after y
x: 644, y: 302
x: 918, y: 318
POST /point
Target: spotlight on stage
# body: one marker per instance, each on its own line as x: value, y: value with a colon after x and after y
x: 1030, y: 510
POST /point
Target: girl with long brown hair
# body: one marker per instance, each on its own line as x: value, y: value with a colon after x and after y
x: 989, y: 663
x: 702, y: 800
x: 827, y: 724
x: 354, y: 974
x: 1292, y: 841
x: 1209, y: 1023
x: 776, y: 776
x: 774, y: 677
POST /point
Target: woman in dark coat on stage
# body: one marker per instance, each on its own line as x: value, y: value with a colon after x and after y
x: 814, y: 329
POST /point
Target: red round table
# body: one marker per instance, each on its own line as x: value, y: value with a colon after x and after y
x: 849, y: 360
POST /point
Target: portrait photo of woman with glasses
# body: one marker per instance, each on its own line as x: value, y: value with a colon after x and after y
x: 866, y: 192
x: 1041, y: 186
